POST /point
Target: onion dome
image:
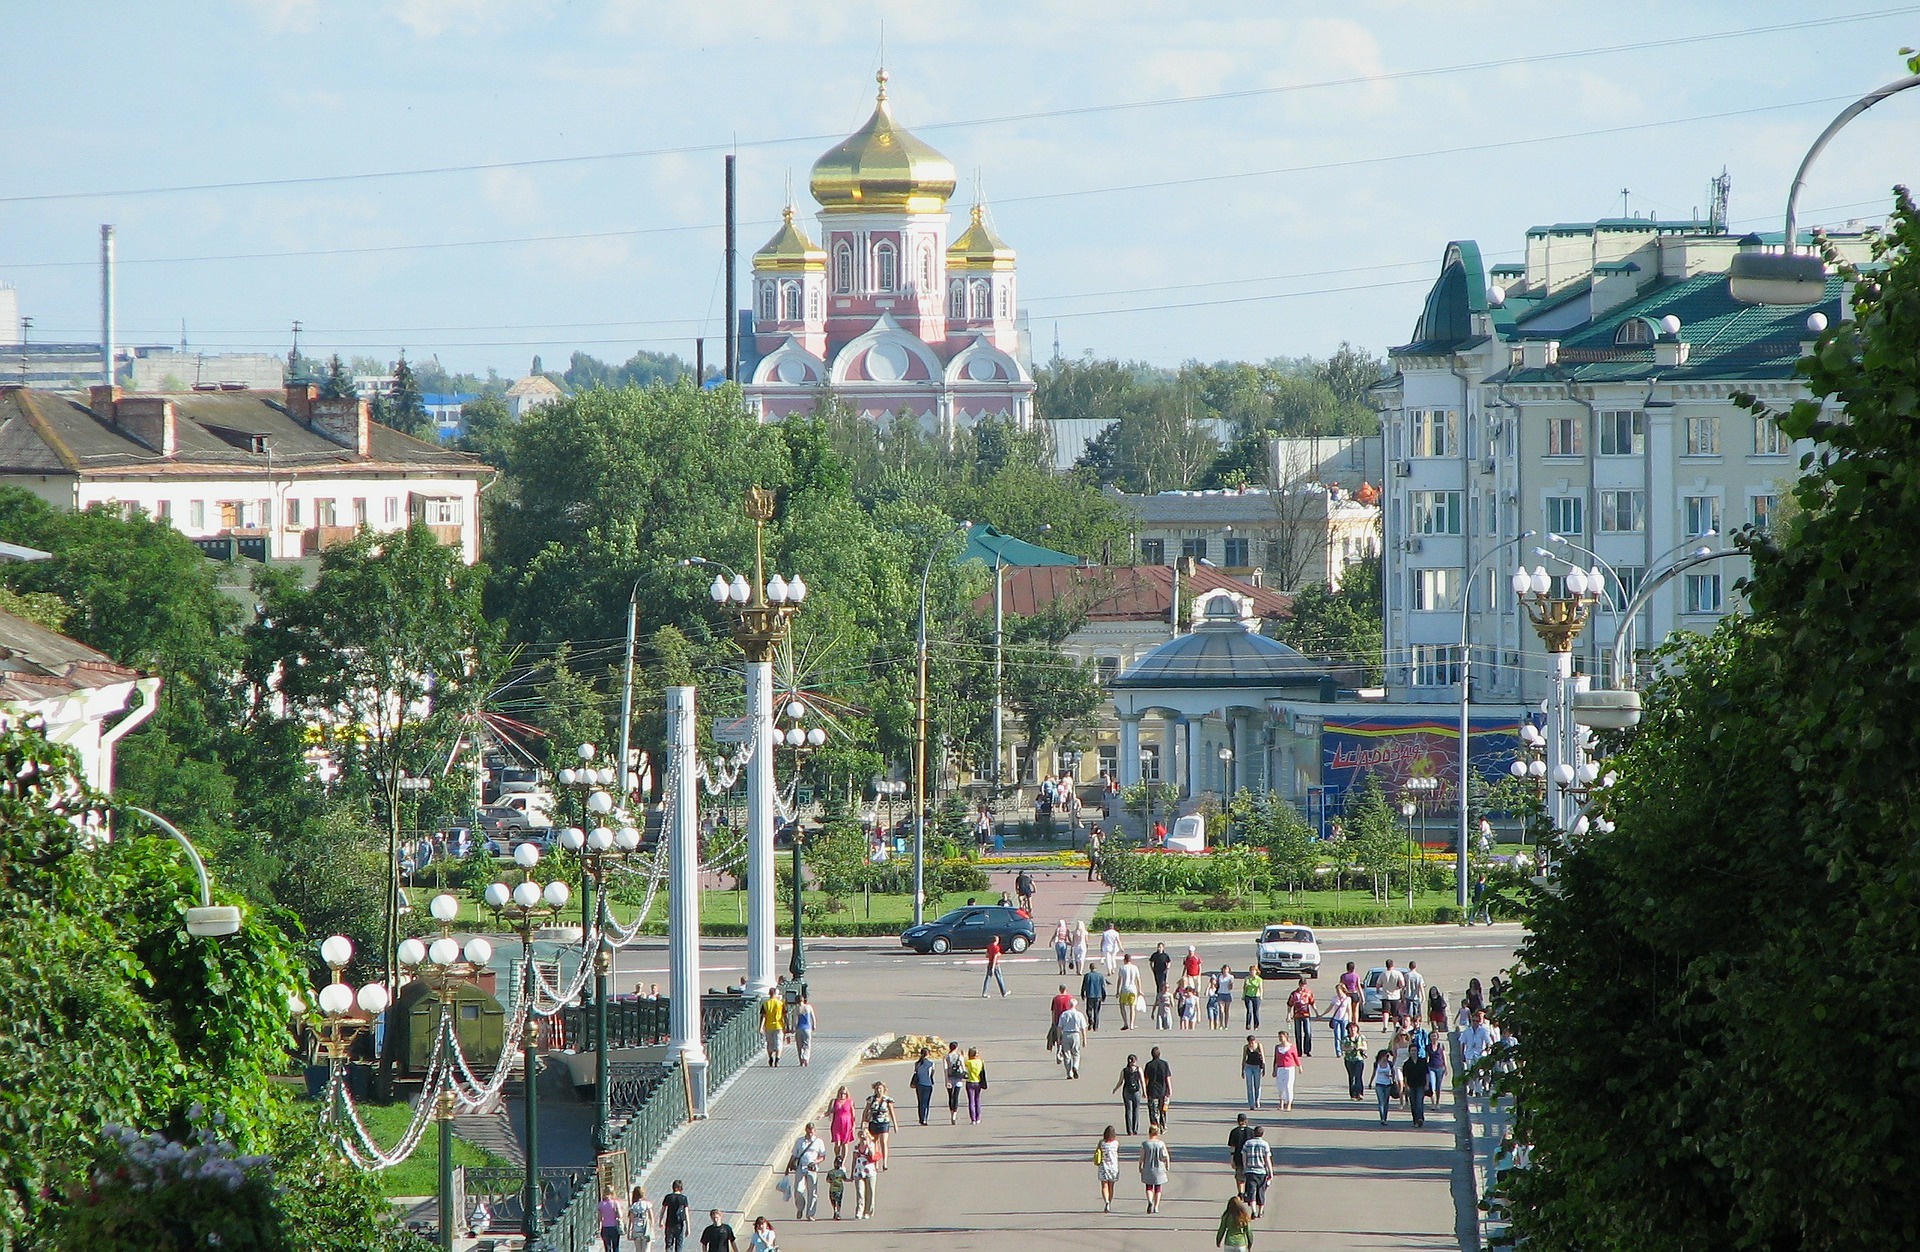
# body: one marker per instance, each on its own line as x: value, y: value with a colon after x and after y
x: 790, y: 250
x: 978, y: 247
x: 882, y: 166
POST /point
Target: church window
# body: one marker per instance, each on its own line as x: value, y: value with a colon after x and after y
x: 765, y: 312
x: 926, y: 267
x: 1003, y: 302
x: 982, y: 301
x: 885, y: 277
x: 957, y: 300
x: 813, y: 303
x: 790, y: 302
x: 842, y: 268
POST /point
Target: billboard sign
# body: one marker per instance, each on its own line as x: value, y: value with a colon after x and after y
x: 1397, y: 747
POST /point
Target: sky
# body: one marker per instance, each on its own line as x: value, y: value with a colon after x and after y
x: 1182, y: 181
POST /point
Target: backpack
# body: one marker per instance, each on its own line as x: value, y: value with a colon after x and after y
x: 1417, y: 1046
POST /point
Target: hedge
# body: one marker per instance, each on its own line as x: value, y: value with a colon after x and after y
x: 1376, y: 915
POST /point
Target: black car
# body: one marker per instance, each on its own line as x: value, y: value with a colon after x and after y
x: 970, y: 928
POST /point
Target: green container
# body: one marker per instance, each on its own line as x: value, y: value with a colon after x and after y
x: 414, y: 1022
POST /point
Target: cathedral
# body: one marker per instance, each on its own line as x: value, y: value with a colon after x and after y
x: 885, y: 312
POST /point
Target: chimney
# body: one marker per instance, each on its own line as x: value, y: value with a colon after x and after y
x: 102, y: 399
x: 1537, y: 354
x: 300, y: 398
x: 150, y: 419
x: 107, y: 349
x: 345, y: 422
x: 1670, y: 350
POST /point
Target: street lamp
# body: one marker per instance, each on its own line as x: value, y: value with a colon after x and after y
x: 444, y: 964
x: 1406, y: 811
x: 1789, y: 277
x: 1558, y: 619
x: 1226, y: 782
x: 207, y: 919
x: 1466, y: 726
x: 920, y: 732
x: 599, y: 850
x: 762, y: 608
x: 335, y: 1025
x: 525, y: 907
x: 803, y: 741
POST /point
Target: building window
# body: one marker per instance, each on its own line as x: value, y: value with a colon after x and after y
x: 1150, y: 762
x: 1633, y: 333
x: 926, y: 269
x: 229, y: 514
x: 1703, y: 516
x: 324, y: 513
x: 1195, y: 548
x: 765, y: 311
x: 1436, y: 590
x: 360, y: 511
x: 1238, y: 556
x: 813, y: 302
x: 1109, y: 669
x: 957, y: 300
x: 1566, y: 437
x: 1436, y: 665
x: 1629, y: 578
x: 393, y: 510
x: 293, y: 512
x: 196, y: 514
x: 1563, y: 515
x: 443, y: 512
x: 982, y: 301
x: 1435, y: 512
x: 1769, y: 439
x: 1623, y: 432
x: 1702, y: 593
x: 1109, y: 758
x: 790, y: 298
x: 1703, y: 436
x: 1765, y: 509
x: 1436, y: 432
x: 885, y: 267
x: 1004, y: 314
x: 842, y: 268
x: 1622, y: 512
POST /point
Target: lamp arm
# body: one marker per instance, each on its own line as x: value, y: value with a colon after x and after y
x: 1819, y: 145
x: 193, y: 854
x: 1623, y: 637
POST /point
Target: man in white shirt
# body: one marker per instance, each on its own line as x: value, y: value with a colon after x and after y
x: 1073, y: 1032
x: 1415, y: 989
x: 1110, y: 949
x: 804, y: 1165
x: 1129, y: 986
x: 1393, y: 990
x: 1475, y: 1042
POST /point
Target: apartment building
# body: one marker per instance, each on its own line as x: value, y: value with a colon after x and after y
x: 1307, y: 533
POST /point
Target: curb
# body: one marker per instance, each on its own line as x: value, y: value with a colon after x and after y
x: 866, y: 1051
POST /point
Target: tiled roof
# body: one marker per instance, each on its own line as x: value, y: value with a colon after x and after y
x: 39, y: 664
x: 1120, y: 593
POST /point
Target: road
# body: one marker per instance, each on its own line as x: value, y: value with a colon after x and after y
x: 1342, y: 1181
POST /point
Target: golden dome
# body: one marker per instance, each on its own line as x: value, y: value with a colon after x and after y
x: 979, y: 248
x: 882, y: 166
x: 790, y: 250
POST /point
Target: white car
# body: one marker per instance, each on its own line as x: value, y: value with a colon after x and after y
x: 1286, y: 949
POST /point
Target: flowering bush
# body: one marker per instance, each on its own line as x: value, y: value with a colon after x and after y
x: 154, y: 1192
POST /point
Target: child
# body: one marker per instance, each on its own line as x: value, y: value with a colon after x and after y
x: 1163, y: 1012
x: 836, y: 1188
x: 1189, y: 1007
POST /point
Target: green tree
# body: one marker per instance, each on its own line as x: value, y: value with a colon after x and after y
x: 338, y: 384
x: 486, y: 421
x: 1341, y: 627
x: 1759, y: 902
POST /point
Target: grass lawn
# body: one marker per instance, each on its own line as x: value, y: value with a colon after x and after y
x: 419, y: 1174
x: 1277, y: 907
x: 723, y: 907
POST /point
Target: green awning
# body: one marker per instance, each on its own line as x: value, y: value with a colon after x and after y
x: 990, y: 547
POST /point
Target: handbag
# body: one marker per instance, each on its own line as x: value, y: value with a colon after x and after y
x: 983, y: 1078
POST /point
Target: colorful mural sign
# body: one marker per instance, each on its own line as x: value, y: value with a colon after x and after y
x: 1395, y: 749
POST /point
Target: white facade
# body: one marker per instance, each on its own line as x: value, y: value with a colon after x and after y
x: 77, y: 695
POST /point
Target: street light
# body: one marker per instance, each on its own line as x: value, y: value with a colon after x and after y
x: 1226, y: 781
x: 335, y: 1025
x: 1789, y: 277
x: 1466, y: 725
x: 444, y: 964
x: 762, y: 607
x: 524, y: 907
x: 920, y: 732
x: 1558, y: 620
x: 803, y: 741
x: 207, y: 919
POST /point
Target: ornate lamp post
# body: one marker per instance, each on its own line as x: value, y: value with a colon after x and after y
x: 1558, y: 620
x: 445, y: 965
x: 334, y: 1023
x: 599, y: 850
x: 524, y: 908
x: 803, y: 741
x: 762, y: 608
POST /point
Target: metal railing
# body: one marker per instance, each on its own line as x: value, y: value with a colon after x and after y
x: 630, y: 1024
x: 734, y: 1040
x: 501, y: 1189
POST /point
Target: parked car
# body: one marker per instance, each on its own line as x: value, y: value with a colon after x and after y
x: 1287, y: 949
x: 968, y: 930
x: 521, y: 811
x: 1372, y: 1007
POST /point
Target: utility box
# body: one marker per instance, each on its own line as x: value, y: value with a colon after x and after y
x: 479, y: 1023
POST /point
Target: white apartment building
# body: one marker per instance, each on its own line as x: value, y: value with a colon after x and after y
x: 1587, y: 394
x: 270, y: 475
x: 1308, y: 533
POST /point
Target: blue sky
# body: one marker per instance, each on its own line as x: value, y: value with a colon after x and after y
x: 1379, y: 173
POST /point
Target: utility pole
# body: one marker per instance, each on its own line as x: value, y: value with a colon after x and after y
x: 733, y: 331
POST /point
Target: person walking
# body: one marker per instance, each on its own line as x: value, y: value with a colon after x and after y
x: 1436, y: 1009
x: 1190, y: 967
x: 612, y: 1223
x: 764, y: 1240
x: 1339, y: 1013
x: 1413, y: 1076
x: 773, y: 1024
x: 1093, y: 993
x: 1286, y: 1071
x: 1154, y: 1160
x: 1353, y: 1050
x: 840, y: 1124
x: 1253, y: 1070
x: 993, y: 969
x: 1110, y: 949
x: 1061, y: 1003
x: 1236, y: 1225
x: 1129, y: 984
x: 1250, y: 992
x: 1300, y: 1004
x: 837, y: 1188
x: 976, y: 1084
x: 1159, y: 1077
x: 1475, y: 1042
x: 640, y: 1221
x: 718, y: 1236
x: 1106, y: 1167
x: 1384, y: 1081
x: 1062, y: 943
x: 1350, y: 983
x: 956, y: 1067
x: 1096, y: 842
x: 1393, y: 986
x: 1482, y: 903
x: 1256, y: 1169
x: 1237, y: 1139
x: 922, y: 1085
x: 1073, y: 1033
x: 1220, y: 1001
x: 673, y: 1216
x: 879, y: 1121
x: 803, y: 1164
x: 1436, y: 1067
x: 803, y: 1021
x: 1023, y: 887
x: 1132, y: 1089
x: 866, y: 1175
x: 1415, y: 993
x: 1160, y: 962
x: 1079, y: 953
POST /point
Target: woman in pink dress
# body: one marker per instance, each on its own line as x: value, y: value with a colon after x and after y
x: 840, y: 1124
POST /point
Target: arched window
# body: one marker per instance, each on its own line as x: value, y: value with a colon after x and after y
x: 1003, y: 302
x: 957, y: 300
x: 1633, y: 333
x: 842, y: 267
x: 813, y: 303
x: 765, y: 311
x: 926, y: 268
x: 790, y: 302
x: 886, y: 275
x: 982, y: 300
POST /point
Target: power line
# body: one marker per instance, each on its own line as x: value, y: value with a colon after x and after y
x: 1639, y: 46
